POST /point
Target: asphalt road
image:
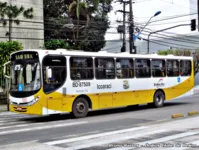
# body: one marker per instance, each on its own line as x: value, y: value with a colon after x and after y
x: 16, y: 128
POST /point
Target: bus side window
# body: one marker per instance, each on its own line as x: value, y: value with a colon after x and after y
x: 81, y: 68
x: 172, y: 68
x: 158, y: 68
x: 105, y: 68
x: 125, y: 69
x: 185, y: 68
x: 143, y: 69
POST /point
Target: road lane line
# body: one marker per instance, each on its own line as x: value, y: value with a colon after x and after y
x: 41, y: 128
x: 21, y: 124
x: 94, y: 136
x: 113, y: 140
x: 159, y: 140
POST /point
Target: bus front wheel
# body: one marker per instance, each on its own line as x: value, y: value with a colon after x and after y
x: 80, y: 107
x: 158, y: 99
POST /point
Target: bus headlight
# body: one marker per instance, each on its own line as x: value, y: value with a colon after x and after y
x: 34, y: 101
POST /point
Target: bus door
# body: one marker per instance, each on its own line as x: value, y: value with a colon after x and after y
x: 54, y: 75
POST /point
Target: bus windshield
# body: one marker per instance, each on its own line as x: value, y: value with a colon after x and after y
x: 25, y: 77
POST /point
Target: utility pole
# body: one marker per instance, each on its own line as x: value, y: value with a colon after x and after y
x: 123, y: 49
x: 131, y: 30
x: 198, y: 12
x: 124, y: 26
x: 132, y: 49
x: 10, y: 24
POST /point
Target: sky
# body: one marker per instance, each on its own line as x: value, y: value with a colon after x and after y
x: 144, y: 9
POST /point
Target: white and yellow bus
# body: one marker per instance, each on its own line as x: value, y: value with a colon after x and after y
x: 58, y: 81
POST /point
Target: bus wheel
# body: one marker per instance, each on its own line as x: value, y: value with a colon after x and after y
x: 80, y: 107
x: 158, y: 100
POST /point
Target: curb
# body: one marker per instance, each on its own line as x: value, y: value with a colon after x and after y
x: 177, y: 116
x: 3, y: 111
x: 193, y: 113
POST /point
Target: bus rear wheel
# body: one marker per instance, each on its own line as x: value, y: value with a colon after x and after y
x: 158, y: 100
x: 80, y: 108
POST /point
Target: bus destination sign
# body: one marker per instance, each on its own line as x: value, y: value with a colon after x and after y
x: 24, y: 56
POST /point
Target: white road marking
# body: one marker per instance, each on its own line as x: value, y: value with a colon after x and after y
x: 111, y: 140
x: 167, y: 138
x: 94, y: 136
x: 41, y: 128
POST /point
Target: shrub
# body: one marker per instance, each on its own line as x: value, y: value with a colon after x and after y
x: 6, y: 48
x: 55, y: 44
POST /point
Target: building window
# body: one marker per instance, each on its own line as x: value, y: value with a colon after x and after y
x: 81, y: 68
x: 105, y: 68
x: 158, y: 68
x: 143, y: 68
x: 185, y: 68
x: 125, y: 68
x: 172, y: 68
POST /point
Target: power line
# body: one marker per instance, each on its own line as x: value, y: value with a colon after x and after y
x: 171, y: 42
x: 187, y: 37
x: 169, y: 18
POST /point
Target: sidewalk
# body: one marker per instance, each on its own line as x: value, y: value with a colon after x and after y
x: 3, y: 107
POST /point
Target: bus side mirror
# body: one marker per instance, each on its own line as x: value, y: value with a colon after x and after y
x: 49, y: 73
x: 5, y: 67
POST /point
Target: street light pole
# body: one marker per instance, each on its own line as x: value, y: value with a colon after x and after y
x: 161, y: 31
x: 156, y: 14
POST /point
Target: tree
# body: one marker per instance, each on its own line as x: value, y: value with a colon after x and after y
x: 184, y: 53
x: 76, y: 22
x: 12, y: 12
x: 55, y: 44
x: 6, y: 48
x: 93, y: 37
x: 55, y: 17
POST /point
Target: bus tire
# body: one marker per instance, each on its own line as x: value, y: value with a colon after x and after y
x: 158, y: 99
x: 80, y: 107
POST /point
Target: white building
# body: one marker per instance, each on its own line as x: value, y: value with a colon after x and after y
x: 30, y: 32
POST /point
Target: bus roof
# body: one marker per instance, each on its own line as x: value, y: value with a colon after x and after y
x: 44, y: 52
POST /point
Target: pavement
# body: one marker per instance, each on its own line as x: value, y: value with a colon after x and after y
x: 177, y: 134
x: 3, y: 107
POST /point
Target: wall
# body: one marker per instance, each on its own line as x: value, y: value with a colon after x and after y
x: 31, y: 38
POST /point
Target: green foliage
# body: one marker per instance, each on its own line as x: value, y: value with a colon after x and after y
x: 166, y: 52
x: 55, y: 16
x: 55, y: 44
x: 6, y: 48
x: 175, y: 52
x: 93, y: 37
x: 88, y: 22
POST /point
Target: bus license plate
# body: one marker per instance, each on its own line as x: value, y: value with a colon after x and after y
x: 19, y: 108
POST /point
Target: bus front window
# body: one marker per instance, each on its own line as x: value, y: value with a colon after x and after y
x: 25, y: 78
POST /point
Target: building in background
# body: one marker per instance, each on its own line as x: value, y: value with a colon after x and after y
x: 30, y: 32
